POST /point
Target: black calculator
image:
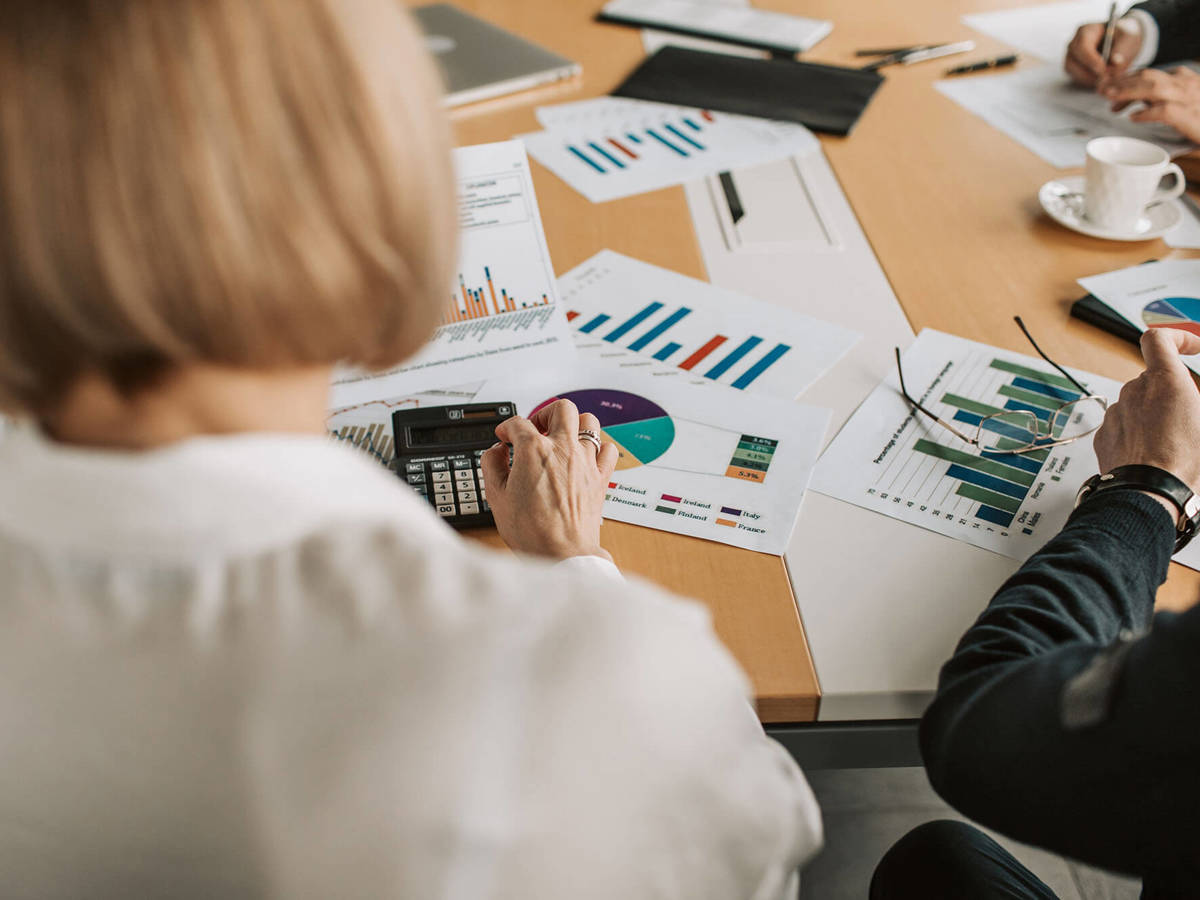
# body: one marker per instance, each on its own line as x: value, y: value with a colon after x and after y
x: 437, y: 453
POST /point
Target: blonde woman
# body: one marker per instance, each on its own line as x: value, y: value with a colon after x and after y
x: 237, y: 660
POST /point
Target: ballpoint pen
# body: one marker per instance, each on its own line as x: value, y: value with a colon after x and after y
x: 937, y: 52
x: 985, y: 64
x: 1109, y: 31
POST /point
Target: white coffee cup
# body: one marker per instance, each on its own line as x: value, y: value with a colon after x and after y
x: 1122, y: 180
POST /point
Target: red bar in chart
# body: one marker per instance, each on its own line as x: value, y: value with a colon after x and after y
x: 572, y: 315
x: 708, y: 348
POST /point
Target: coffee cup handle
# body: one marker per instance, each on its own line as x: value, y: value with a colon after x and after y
x: 1162, y: 195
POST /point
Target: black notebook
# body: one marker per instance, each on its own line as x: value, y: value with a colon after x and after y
x: 1096, y: 312
x: 825, y: 98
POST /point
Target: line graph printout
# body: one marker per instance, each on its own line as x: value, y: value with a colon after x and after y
x: 637, y: 316
x: 711, y: 463
x: 891, y: 459
x: 502, y: 307
x: 610, y: 147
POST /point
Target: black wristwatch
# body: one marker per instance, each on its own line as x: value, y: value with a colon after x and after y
x: 1155, y: 481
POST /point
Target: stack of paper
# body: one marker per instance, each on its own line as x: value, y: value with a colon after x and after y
x: 613, y: 147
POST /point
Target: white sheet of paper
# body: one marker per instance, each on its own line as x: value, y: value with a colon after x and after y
x: 893, y: 460
x: 1040, y: 109
x: 367, y: 426
x: 612, y: 147
x: 1043, y: 31
x: 503, y: 309
x: 1185, y: 235
x: 712, y: 463
x: 718, y: 336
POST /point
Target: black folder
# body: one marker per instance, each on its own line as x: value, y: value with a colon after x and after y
x: 1096, y: 312
x: 825, y: 98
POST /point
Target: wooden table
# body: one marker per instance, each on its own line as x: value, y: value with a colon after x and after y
x: 950, y: 207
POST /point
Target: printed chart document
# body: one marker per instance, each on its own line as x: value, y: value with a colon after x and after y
x: 1040, y: 109
x: 631, y: 314
x: 892, y: 459
x: 1043, y: 31
x: 614, y: 147
x: 502, y: 308
x: 709, y: 463
x: 1163, y: 294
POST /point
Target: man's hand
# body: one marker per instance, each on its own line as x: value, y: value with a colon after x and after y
x: 548, y: 503
x: 1084, y: 63
x: 1156, y: 420
x: 1170, y: 97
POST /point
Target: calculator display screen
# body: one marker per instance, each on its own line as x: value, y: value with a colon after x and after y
x: 452, y: 434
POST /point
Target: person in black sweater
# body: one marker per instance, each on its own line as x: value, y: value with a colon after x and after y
x: 1067, y: 717
x: 1152, y: 33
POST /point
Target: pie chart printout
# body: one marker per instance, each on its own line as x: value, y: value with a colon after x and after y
x: 640, y: 428
x: 1173, y: 312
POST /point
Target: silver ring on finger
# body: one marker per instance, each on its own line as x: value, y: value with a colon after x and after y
x: 591, y: 437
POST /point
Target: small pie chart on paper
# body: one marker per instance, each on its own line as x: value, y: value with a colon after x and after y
x: 1173, y: 312
x: 641, y: 429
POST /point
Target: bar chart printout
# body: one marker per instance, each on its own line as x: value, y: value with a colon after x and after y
x: 896, y: 461
x: 635, y: 315
x: 501, y: 308
x: 610, y: 147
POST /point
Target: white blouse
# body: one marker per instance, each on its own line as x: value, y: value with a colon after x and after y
x: 258, y: 666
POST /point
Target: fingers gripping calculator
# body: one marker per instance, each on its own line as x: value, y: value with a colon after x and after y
x: 438, y: 452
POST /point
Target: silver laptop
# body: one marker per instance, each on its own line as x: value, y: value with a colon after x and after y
x: 479, y: 60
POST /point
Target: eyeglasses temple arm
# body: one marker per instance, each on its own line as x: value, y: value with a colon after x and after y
x: 1041, y: 353
x: 919, y: 407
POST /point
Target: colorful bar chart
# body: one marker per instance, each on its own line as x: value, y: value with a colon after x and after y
x: 642, y: 341
x: 474, y: 303
x: 1000, y: 482
x: 634, y: 315
x: 680, y: 135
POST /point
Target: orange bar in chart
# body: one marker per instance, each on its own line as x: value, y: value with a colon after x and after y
x: 491, y: 289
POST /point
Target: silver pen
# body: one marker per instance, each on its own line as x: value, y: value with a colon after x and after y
x: 937, y: 52
x: 1109, y: 30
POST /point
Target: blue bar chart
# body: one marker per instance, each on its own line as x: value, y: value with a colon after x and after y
x: 640, y: 316
x: 894, y: 459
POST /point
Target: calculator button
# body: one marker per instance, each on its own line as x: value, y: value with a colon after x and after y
x: 469, y: 509
x: 467, y: 497
x: 461, y: 463
x: 446, y: 497
x: 441, y: 476
x: 464, y: 475
x: 487, y: 507
x: 416, y: 477
x: 422, y: 489
x: 482, y: 493
x: 446, y: 509
x: 439, y: 465
x: 414, y: 468
x: 478, y: 453
x: 479, y: 473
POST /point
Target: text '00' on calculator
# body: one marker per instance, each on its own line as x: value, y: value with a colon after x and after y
x: 438, y: 452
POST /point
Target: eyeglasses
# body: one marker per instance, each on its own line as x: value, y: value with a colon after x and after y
x: 1039, y: 413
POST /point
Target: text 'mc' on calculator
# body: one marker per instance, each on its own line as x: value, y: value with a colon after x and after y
x: 437, y: 453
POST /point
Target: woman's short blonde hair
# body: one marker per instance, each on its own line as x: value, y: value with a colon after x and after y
x: 252, y: 183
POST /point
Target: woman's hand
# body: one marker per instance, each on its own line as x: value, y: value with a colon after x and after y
x: 1084, y: 63
x: 1156, y: 421
x: 1170, y: 97
x: 548, y: 502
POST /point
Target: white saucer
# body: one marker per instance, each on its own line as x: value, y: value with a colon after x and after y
x: 1062, y: 199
